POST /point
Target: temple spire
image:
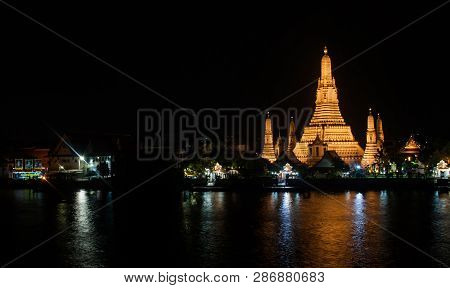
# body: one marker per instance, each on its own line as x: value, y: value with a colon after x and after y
x: 380, y: 133
x: 371, y: 134
x: 292, y: 131
x: 327, y: 122
x: 291, y: 142
x: 279, y: 145
x: 326, y: 66
x: 268, y: 151
x: 372, y: 144
x: 268, y: 124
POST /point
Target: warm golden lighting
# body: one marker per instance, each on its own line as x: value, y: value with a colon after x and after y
x: 268, y: 151
x: 327, y: 123
x: 372, y: 143
x: 411, y: 147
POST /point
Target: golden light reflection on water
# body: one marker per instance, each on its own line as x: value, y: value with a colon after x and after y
x: 334, y: 230
x: 329, y: 230
x: 226, y: 229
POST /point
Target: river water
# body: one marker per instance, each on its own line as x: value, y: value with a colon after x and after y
x: 225, y: 229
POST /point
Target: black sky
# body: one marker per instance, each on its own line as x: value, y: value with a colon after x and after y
x: 219, y: 56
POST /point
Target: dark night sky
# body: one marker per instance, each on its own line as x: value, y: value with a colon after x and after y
x: 219, y: 56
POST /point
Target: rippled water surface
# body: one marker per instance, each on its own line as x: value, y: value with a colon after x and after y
x: 226, y: 229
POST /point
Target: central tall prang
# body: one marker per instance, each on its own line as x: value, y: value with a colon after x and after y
x: 327, y: 124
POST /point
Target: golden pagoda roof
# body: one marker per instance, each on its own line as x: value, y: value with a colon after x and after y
x: 411, y: 144
x: 317, y: 141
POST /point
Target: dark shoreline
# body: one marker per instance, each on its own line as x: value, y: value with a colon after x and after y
x: 327, y: 184
x: 261, y: 184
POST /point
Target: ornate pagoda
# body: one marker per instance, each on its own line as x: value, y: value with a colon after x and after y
x: 268, y: 151
x: 380, y: 133
x: 327, y: 122
x: 291, y: 142
x: 371, y: 150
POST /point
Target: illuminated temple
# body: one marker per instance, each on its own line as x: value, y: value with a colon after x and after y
x: 327, y: 131
x: 268, y: 151
x: 374, y: 140
x: 327, y: 126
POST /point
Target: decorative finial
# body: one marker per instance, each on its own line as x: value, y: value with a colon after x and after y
x: 325, y: 50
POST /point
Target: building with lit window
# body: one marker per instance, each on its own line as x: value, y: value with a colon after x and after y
x: 84, y: 156
x: 27, y: 163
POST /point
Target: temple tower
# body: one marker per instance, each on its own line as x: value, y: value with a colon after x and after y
x: 380, y: 133
x: 371, y: 142
x: 279, y: 145
x: 268, y: 151
x: 328, y: 122
x: 291, y: 142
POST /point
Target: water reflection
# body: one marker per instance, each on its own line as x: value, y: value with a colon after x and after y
x: 383, y: 198
x: 359, y: 223
x: 440, y: 245
x: 286, y: 242
x: 295, y: 229
x: 84, y: 238
x: 204, y: 225
x: 226, y: 229
x: 26, y: 195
